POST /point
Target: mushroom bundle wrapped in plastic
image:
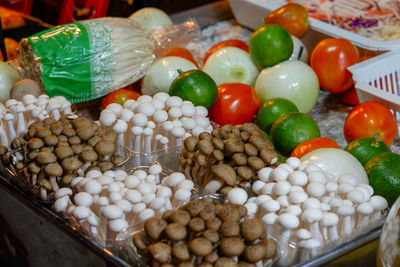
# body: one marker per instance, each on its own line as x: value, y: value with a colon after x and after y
x: 155, y: 123
x: 87, y: 59
x: 15, y: 116
x: 297, y: 202
x: 53, y: 152
x: 205, y: 233
x: 228, y: 157
x: 115, y: 200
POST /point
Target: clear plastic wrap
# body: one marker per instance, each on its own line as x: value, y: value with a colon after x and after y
x: 87, y: 59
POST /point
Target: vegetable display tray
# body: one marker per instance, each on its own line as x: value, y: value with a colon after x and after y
x: 319, y: 29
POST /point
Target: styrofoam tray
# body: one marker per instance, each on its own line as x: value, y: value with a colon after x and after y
x: 251, y: 13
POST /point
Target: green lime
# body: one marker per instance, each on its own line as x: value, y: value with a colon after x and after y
x: 269, y: 45
x: 366, y: 148
x: 272, y: 110
x: 383, y: 172
x: 195, y: 86
x: 292, y: 129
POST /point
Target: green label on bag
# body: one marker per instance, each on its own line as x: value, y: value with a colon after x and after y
x: 76, y: 59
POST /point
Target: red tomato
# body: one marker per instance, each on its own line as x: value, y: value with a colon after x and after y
x: 293, y: 17
x: 313, y: 144
x: 370, y: 119
x: 237, y: 103
x: 181, y: 52
x: 330, y: 59
x: 233, y: 42
x: 350, y: 97
x: 119, y: 96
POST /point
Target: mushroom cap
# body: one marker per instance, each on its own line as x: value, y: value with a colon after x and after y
x: 105, y: 147
x: 53, y: 169
x: 35, y: 143
x: 112, y: 212
x: 17, y: 143
x: 237, y: 196
x: 303, y: 234
x: 89, y: 155
x: 63, y: 152
x: 288, y: 220
x: 345, y: 210
x: 378, y: 202
x: 297, y: 197
x: 64, y: 191
x: 356, y: 196
x: 45, y: 157
x: 232, y: 246
x: 271, y: 205
x: 251, y: 229
x: 294, y: 209
x: 81, y: 121
x: 34, y: 168
x: 311, y: 203
x: 200, y: 246
x: 312, y: 215
x: 71, y: 163
x: 225, y: 173
x: 365, y: 208
x: 270, y: 218
x: 118, y: 225
x: 330, y: 219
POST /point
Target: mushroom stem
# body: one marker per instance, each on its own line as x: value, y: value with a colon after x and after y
x: 10, y: 125
x: 54, y: 184
x: 21, y: 127
x: 43, y: 193
x: 137, y: 132
x: 148, y: 133
x: 346, y: 225
x: 315, y: 232
x: 3, y: 135
x: 34, y: 178
x: 213, y: 186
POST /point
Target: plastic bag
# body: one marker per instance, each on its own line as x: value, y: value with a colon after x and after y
x: 87, y: 59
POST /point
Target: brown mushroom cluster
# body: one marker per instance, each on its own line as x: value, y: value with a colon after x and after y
x: 52, y: 153
x: 202, y: 233
x: 230, y: 154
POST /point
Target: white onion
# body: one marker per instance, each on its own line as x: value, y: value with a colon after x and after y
x: 291, y: 79
x: 231, y: 65
x: 335, y: 162
x: 162, y: 72
x: 8, y: 76
x: 150, y: 18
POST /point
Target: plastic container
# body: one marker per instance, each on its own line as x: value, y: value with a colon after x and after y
x: 378, y: 79
x: 319, y: 29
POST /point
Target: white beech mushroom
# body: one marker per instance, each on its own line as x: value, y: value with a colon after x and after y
x: 288, y: 222
x: 346, y: 211
x: 379, y: 203
x: 330, y: 221
x: 312, y: 216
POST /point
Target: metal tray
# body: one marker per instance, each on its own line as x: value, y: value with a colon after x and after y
x: 46, y: 237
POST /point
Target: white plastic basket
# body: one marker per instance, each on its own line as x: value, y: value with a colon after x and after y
x: 378, y: 79
x: 250, y: 13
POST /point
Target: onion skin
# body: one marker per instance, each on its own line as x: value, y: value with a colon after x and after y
x: 335, y: 162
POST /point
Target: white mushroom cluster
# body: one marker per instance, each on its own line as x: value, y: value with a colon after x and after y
x: 106, y: 203
x: 297, y: 201
x: 15, y: 116
x: 150, y: 124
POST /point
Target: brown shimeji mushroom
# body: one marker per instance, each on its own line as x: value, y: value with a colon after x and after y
x: 160, y: 252
x: 53, y: 170
x: 105, y: 149
x: 85, y: 132
x: 34, y: 169
x: 88, y: 156
x: 44, y: 158
x: 35, y: 143
x: 63, y: 152
x: 225, y: 174
x: 71, y: 164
